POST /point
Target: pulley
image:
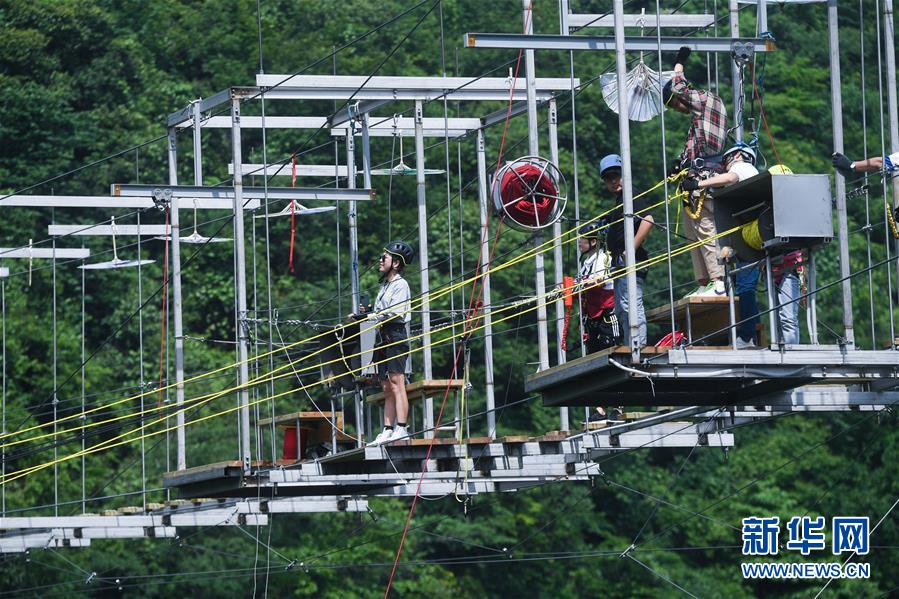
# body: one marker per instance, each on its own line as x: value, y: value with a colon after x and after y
x: 530, y: 192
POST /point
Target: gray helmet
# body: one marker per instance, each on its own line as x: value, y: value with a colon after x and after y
x: 744, y: 149
x: 401, y: 250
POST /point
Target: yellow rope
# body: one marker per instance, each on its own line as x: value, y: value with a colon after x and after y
x: 698, y: 213
x: 892, y: 220
x: 440, y: 293
x: 121, y: 440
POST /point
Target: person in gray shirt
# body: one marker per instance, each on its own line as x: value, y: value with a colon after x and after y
x: 392, y: 310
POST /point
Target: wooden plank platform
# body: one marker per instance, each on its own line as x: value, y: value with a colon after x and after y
x: 289, y: 419
x: 697, y: 316
x: 316, y: 425
x: 421, y: 389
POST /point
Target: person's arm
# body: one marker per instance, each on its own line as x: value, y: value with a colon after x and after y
x: 646, y: 224
x: 722, y: 180
x: 868, y: 165
x: 693, y: 99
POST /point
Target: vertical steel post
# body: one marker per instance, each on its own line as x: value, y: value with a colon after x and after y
x: 762, y: 16
x: 423, y: 263
x: 351, y: 219
x: 354, y: 259
x: 889, y: 35
x: 557, y: 253
x: 812, y: 298
x: 534, y: 150
x: 624, y: 132
x: 240, y: 288
x: 484, y: 267
x: 3, y: 416
x: 734, y: 11
x: 836, y: 103
x: 177, y: 320
x: 366, y: 154
x: 55, y: 384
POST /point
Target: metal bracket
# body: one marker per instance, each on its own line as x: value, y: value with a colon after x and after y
x: 162, y: 198
x: 742, y: 52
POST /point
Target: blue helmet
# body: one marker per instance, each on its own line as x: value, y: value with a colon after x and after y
x: 610, y: 161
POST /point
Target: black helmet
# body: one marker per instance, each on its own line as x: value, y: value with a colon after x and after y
x: 592, y: 230
x: 401, y: 250
x: 667, y: 92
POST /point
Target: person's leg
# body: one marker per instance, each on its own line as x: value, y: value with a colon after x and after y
x: 690, y: 232
x: 709, y: 250
x: 745, y: 287
x: 621, y: 306
x: 787, y: 292
x: 389, y: 402
x: 641, y: 314
x: 401, y: 401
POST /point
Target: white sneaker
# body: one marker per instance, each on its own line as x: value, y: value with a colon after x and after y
x: 745, y: 344
x: 399, y: 432
x: 713, y: 289
x: 697, y: 292
x: 382, y: 437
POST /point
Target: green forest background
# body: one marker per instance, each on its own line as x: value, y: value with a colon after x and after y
x: 81, y: 81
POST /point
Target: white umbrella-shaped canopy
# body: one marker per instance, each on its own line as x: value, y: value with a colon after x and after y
x: 297, y: 209
x: 644, y: 91
x: 116, y: 262
x: 401, y: 169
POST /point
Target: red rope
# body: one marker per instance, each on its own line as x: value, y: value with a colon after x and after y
x: 472, y: 309
x: 293, y: 228
x: 755, y: 90
x: 165, y: 281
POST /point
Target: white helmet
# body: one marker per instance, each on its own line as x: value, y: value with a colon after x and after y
x: 746, y: 150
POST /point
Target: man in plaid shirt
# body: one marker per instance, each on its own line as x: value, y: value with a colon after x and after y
x: 706, y: 137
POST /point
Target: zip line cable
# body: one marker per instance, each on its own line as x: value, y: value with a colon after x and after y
x: 116, y: 441
x: 571, y: 233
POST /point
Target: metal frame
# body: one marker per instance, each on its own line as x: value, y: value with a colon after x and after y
x: 328, y: 194
x: 143, y: 201
x: 577, y: 43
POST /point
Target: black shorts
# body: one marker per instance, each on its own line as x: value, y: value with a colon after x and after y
x: 392, y: 358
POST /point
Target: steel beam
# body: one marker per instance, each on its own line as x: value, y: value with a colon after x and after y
x: 186, y: 113
x: 329, y: 194
x: 240, y: 292
x: 136, y: 202
x: 583, y: 21
x: 355, y: 111
x: 515, y: 41
x: 285, y: 170
x: 43, y: 253
x: 341, y: 87
x: 836, y: 103
x: 107, y: 230
x: 534, y: 150
x: 421, y: 197
x: 484, y: 270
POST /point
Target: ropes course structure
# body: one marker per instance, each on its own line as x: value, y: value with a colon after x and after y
x: 315, y: 392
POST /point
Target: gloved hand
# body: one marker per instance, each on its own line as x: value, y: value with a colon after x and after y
x: 689, y: 185
x: 676, y: 167
x: 842, y: 164
x: 682, y: 55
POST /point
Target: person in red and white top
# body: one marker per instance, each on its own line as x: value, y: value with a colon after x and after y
x: 597, y: 291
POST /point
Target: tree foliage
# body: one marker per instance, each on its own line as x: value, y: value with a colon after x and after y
x: 84, y: 80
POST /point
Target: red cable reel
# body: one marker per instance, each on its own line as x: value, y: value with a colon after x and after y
x: 531, y: 193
